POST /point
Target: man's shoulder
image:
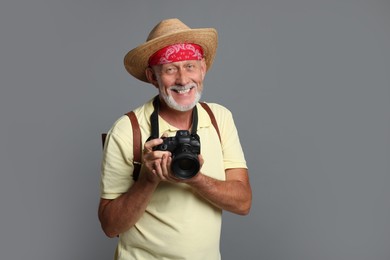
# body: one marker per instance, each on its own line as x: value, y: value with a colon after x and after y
x: 122, y: 123
x: 144, y: 111
x: 120, y: 126
x: 218, y: 109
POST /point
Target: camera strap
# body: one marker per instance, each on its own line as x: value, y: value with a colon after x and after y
x: 137, y: 146
x: 154, y: 119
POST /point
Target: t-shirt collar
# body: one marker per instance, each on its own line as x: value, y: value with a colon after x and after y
x: 164, y: 126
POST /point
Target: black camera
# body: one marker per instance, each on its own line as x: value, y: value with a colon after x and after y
x: 185, y: 148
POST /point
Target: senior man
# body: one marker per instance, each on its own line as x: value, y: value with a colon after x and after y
x: 167, y: 211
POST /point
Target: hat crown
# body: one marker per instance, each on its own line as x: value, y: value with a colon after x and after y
x: 166, y: 27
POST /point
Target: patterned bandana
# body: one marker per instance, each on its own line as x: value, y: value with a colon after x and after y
x: 176, y: 52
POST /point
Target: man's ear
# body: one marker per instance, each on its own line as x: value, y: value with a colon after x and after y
x: 151, y: 76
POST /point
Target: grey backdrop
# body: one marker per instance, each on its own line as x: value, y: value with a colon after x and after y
x: 307, y: 82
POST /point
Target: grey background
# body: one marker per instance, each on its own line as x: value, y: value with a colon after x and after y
x: 307, y: 82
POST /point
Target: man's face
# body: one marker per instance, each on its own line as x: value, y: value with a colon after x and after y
x: 181, y: 83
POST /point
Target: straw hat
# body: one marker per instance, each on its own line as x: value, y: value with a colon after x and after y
x: 168, y: 32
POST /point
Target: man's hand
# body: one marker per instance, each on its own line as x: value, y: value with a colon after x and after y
x: 155, y: 162
x: 158, y: 163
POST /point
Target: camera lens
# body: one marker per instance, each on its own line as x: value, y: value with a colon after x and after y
x: 185, y: 166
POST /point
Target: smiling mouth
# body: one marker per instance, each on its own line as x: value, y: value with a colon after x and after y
x: 182, y: 90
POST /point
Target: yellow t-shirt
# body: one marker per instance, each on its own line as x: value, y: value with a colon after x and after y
x: 177, y: 223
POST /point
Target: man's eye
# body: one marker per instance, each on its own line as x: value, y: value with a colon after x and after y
x: 170, y: 70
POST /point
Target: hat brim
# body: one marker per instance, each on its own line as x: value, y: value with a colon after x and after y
x: 136, y: 60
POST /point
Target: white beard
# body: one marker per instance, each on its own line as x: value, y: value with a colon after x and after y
x: 170, y: 101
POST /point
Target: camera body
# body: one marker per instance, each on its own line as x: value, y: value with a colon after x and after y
x: 185, y: 148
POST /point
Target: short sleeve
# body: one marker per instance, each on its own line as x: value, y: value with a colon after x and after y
x: 117, y: 160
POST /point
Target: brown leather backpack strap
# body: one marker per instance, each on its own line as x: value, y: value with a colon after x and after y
x: 104, y: 135
x: 212, y: 117
x: 137, y: 145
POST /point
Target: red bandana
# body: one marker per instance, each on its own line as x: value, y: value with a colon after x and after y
x: 176, y: 52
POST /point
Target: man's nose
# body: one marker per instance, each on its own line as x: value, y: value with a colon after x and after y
x: 182, y: 78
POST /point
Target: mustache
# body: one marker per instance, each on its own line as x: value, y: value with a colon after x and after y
x: 181, y: 88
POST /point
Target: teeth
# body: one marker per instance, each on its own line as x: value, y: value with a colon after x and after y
x: 183, y: 91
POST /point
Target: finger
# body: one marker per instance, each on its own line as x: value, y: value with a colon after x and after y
x: 164, y: 165
x: 169, y: 168
x: 148, y: 146
x: 155, y: 155
x: 146, y: 150
x: 201, y: 160
x: 157, y: 169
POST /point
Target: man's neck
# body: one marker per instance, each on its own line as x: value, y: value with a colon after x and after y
x: 179, y: 119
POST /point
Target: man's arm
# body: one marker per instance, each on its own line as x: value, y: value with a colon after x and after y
x: 119, y: 215
x: 233, y: 194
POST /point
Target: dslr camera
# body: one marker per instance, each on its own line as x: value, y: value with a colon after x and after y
x: 185, y: 148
